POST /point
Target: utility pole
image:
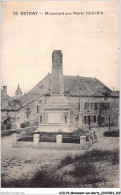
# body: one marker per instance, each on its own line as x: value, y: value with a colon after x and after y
x: 89, y: 122
x: 79, y: 99
x: 109, y: 122
x: 15, y: 119
x: 100, y: 113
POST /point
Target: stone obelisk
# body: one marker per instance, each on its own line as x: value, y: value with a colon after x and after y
x: 56, y: 116
x: 57, y: 73
x: 57, y: 105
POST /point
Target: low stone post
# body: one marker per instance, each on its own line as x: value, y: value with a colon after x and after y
x: 83, y: 141
x: 36, y: 139
x: 58, y: 139
x: 92, y: 136
x: 87, y: 138
x: 23, y: 133
x: 15, y: 137
x: 95, y: 136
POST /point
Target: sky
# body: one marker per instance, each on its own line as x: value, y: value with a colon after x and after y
x: 89, y: 43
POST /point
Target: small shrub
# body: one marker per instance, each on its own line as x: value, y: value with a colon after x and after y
x: 42, y: 178
x: 14, y: 183
x: 8, y: 126
x: 26, y: 139
x: 111, y: 133
x: 47, y: 139
x: 93, y: 179
x: 29, y: 130
x: 26, y: 124
x: 115, y: 157
x: 71, y: 140
x: 66, y: 161
x: 83, y: 168
x: 7, y: 132
x: 22, y: 125
x: 2, y: 127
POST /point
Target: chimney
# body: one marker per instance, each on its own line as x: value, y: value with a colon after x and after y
x: 5, y: 91
x: 57, y: 73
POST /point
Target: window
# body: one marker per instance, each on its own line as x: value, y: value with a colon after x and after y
x: 105, y: 98
x: 65, y: 119
x: 102, y: 119
x: 91, y: 106
x: 85, y: 119
x: 98, y: 106
x: 86, y: 106
x: 105, y: 105
x: 40, y: 118
x: 89, y: 119
x: 95, y: 106
x: 37, y: 109
x: 40, y: 101
x: 94, y: 119
x: 77, y: 118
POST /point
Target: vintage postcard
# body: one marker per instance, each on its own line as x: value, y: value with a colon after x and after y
x: 60, y: 97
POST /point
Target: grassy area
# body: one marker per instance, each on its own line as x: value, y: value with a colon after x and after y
x: 92, y: 156
x: 7, y: 132
x: 26, y: 139
x: 26, y: 130
x: 42, y: 178
x: 87, y: 169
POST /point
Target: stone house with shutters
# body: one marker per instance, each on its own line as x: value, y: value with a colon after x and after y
x: 59, y: 100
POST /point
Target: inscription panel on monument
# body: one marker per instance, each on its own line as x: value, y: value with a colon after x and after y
x: 53, y: 117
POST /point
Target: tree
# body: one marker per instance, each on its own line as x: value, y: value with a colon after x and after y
x: 28, y: 112
x: 15, y: 105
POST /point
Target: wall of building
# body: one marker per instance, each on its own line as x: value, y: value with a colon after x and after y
x: 112, y: 112
x: 19, y: 117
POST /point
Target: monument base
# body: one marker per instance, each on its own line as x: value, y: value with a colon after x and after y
x: 56, y: 128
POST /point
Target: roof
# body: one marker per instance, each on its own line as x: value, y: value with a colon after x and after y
x: 18, y: 90
x: 4, y: 118
x: 73, y: 85
x: 115, y: 93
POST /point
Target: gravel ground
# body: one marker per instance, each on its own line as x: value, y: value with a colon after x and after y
x: 24, y: 162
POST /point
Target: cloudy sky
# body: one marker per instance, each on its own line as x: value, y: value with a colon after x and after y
x: 89, y: 43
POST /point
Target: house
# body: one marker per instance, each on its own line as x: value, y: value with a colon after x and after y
x: 5, y: 123
x: 63, y: 100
